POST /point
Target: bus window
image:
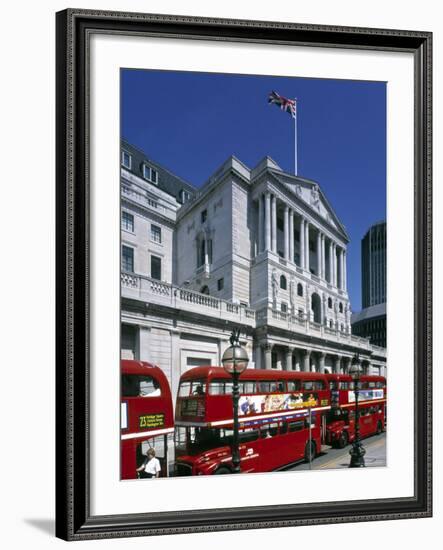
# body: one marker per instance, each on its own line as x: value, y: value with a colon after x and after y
x: 264, y: 387
x: 184, y: 389
x: 273, y: 429
x: 246, y: 387
x: 296, y: 426
x: 344, y: 385
x: 198, y: 387
x: 221, y: 387
x: 135, y: 385
x: 248, y: 435
x: 217, y: 387
x: 293, y: 385
x: 310, y: 385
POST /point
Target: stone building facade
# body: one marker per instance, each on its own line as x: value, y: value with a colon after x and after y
x: 258, y: 249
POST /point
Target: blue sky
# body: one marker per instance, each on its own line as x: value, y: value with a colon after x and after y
x: 192, y: 122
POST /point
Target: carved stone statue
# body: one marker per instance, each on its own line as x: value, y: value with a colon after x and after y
x: 275, y: 285
x: 315, y: 197
x: 292, y: 293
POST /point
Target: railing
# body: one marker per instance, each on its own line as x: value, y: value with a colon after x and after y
x: 157, y: 292
x: 139, y: 287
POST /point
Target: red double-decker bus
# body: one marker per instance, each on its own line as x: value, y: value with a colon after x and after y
x: 146, y: 416
x: 281, y: 417
x: 371, y: 404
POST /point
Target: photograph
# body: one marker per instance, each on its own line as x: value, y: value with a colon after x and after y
x: 253, y: 273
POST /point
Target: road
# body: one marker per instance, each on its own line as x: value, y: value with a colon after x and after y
x: 375, y: 447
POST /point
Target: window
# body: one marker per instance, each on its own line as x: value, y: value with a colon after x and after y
x: 126, y: 160
x: 340, y: 307
x: 310, y: 385
x: 293, y: 385
x: 205, y: 249
x: 271, y: 386
x: 134, y: 385
x: 284, y: 307
x: 156, y: 268
x: 156, y: 233
x: 128, y: 222
x: 127, y: 259
x: 149, y: 173
x: 184, y: 196
x: 204, y: 216
x: 330, y: 303
x: 299, y: 289
x: 220, y: 284
x: 283, y: 283
x: 296, y: 426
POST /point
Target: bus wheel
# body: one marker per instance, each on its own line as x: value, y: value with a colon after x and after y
x: 379, y: 428
x: 222, y: 470
x: 343, y: 440
x: 310, y: 451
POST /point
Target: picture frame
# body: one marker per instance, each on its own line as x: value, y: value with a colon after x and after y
x: 74, y: 520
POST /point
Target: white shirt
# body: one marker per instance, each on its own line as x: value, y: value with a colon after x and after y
x: 152, y: 466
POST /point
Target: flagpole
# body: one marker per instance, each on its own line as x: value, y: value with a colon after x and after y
x: 295, y: 138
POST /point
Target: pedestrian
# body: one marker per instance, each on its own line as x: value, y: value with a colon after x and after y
x: 150, y: 467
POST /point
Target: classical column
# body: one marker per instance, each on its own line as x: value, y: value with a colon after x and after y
x: 344, y: 271
x: 331, y: 263
x: 307, y: 245
x: 342, y: 286
x: 286, y: 231
x: 260, y: 223
x: 268, y: 356
x: 143, y: 347
x: 302, y: 242
x: 336, y: 363
x: 334, y: 264
x: 258, y: 356
x: 307, y: 360
x: 267, y: 221
x: 274, y: 223
x: 291, y: 235
x: 323, y: 257
x: 322, y: 357
x: 319, y: 264
x: 288, y: 361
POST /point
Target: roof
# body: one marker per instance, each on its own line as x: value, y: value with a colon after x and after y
x: 167, y: 181
x: 251, y: 374
x: 371, y: 312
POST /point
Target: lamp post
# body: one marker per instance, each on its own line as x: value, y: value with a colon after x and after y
x: 235, y: 360
x: 357, y: 451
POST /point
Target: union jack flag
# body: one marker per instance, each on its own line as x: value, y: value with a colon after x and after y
x: 285, y: 104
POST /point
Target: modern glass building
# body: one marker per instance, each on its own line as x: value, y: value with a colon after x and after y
x: 373, y: 263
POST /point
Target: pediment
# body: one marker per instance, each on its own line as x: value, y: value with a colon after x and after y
x: 311, y: 194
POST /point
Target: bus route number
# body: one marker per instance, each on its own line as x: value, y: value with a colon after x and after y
x: 152, y: 420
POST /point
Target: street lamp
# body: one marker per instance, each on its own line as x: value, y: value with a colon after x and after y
x: 235, y: 360
x: 357, y: 452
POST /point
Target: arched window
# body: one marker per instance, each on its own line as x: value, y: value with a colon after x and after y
x: 330, y: 323
x: 283, y: 283
x: 342, y: 327
x: 316, y: 307
x: 299, y: 289
x: 330, y: 303
x: 340, y: 307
